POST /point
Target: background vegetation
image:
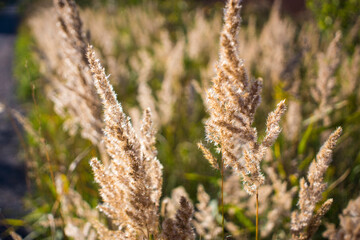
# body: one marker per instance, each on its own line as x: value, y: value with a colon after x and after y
x: 284, y: 51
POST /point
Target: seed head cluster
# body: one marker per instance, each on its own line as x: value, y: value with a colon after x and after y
x: 232, y: 103
x: 131, y: 185
x: 303, y: 222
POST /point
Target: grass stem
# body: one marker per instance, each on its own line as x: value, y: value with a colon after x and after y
x: 222, y: 198
x: 257, y: 215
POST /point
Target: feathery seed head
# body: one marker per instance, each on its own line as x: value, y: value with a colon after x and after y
x: 131, y: 186
x: 180, y: 227
x: 303, y: 222
x: 232, y: 103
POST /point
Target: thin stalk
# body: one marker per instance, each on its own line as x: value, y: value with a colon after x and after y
x: 257, y: 215
x: 147, y: 231
x: 222, y: 198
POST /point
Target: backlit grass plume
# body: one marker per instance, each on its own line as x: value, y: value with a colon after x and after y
x: 349, y: 227
x: 180, y: 227
x: 131, y: 185
x: 232, y: 103
x: 73, y: 91
x: 304, y: 223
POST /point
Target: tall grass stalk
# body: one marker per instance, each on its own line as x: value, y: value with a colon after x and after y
x: 257, y: 214
x: 222, y: 199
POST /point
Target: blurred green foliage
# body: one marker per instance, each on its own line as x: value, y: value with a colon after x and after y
x: 176, y: 141
x: 26, y: 68
x: 329, y: 12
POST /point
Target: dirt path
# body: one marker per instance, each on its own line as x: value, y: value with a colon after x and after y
x: 12, y: 172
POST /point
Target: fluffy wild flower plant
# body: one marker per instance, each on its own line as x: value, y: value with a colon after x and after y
x: 276, y: 41
x: 232, y: 103
x: 325, y: 82
x: 281, y: 199
x: 169, y: 205
x: 180, y: 227
x: 205, y: 217
x: 349, y: 228
x: 304, y: 222
x: 131, y: 185
x: 72, y: 89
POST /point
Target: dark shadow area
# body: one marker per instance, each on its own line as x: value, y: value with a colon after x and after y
x: 12, y: 179
x: 9, y: 18
x: 5, y: 236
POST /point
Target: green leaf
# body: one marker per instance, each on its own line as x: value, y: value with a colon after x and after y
x: 304, y: 139
x: 13, y: 222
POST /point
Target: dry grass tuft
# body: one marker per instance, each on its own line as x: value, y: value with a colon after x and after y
x: 131, y: 186
x: 304, y: 223
x: 232, y: 103
x: 180, y: 227
x: 349, y: 223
